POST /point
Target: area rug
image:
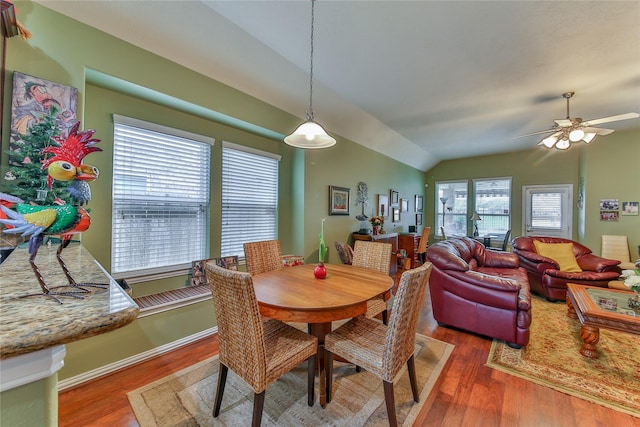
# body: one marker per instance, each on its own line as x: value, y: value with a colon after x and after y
x: 552, y: 358
x: 186, y: 397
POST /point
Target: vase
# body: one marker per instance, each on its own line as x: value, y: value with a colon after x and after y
x: 320, y: 272
x: 375, y: 230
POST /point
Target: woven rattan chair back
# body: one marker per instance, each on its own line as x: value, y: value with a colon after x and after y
x: 251, y: 348
x: 263, y: 256
x: 372, y: 255
x: 401, y: 334
x: 423, y: 243
x: 239, y: 324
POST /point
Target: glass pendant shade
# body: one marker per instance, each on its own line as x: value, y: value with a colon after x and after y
x: 310, y: 135
x: 576, y: 135
x: 563, y: 144
x: 550, y: 141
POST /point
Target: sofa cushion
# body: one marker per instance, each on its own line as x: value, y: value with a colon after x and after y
x: 562, y: 253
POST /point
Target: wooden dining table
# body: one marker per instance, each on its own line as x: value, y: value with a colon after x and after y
x: 293, y: 294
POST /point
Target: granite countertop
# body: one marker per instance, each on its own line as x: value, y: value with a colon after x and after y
x: 35, y: 323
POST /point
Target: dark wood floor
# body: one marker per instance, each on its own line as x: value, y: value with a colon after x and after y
x: 466, y: 394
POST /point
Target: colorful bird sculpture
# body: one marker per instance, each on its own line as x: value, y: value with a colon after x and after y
x: 65, y: 220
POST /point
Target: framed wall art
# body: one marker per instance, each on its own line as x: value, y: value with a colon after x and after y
x: 404, y: 205
x: 418, y: 203
x: 419, y: 219
x: 394, y: 197
x: 339, y: 200
x: 395, y: 212
x: 33, y: 97
x: 629, y: 208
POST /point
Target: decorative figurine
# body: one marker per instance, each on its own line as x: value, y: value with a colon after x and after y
x: 65, y: 220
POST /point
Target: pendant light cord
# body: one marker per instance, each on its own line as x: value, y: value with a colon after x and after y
x: 310, y: 112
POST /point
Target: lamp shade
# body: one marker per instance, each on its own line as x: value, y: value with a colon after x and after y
x: 310, y: 135
x: 475, y: 217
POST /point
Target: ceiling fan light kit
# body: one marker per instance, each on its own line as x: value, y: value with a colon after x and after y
x: 567, y: 131
x: 310, y: 134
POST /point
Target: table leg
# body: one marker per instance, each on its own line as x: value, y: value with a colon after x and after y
x: 571, y: 311
x: 590, y: 336
x: 319, y: 330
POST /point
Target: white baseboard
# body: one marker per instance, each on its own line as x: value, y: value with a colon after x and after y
x: 129, y: 361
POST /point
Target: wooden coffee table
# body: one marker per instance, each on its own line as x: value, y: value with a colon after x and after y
x: 588, y: 303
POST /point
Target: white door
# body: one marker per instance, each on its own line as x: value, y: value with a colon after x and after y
x: 547, y: 210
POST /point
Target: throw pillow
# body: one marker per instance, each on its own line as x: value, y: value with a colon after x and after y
x: 562, y: 253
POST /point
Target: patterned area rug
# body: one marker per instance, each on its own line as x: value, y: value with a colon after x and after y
x: 552, y: 359
x: 186, y: 397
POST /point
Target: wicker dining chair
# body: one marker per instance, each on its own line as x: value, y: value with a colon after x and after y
x: 263, y: 256
x: 423, y: 243
x: 379, y: 349
x: 374, y: 256
x: 258, y: 352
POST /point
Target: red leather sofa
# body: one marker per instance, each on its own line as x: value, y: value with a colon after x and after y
x: 545, y: 276
x: 480, y: 290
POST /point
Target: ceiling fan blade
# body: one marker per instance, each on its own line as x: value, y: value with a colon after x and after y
x: 564, y: 122
x: 611, y: 119
x: 540, y: 132
x: 598, y: 131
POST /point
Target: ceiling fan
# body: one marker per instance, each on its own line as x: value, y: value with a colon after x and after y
x: 566, y: 131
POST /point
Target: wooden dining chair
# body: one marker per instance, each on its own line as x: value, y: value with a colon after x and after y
x: 374, y: 256
x: 423, y: 243
x: 258, y: 352
x: 263, y: 256
x: 379, y: 349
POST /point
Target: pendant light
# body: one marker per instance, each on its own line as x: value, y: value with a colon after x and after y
x: 310, y: 134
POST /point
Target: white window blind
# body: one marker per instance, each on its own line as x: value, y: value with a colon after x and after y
x: 249, y: 197
x: 160, y: 198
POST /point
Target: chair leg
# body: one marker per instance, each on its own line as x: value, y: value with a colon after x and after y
x: 385, y: 317
x: 328, y: 367
x: 258, y: 404
x: 390, y: 403
x: 411, y: 369
x: 222, y: 379
x: 311, y: 377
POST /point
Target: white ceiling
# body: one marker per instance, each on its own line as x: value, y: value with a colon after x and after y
x: 419, y: 81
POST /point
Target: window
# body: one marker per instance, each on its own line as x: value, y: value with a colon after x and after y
x: 451, y: 208
x: 249, y: 197
x: 493, y: 204
x: 160, y: 216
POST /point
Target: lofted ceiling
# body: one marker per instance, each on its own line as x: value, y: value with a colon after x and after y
x: 419, y: 81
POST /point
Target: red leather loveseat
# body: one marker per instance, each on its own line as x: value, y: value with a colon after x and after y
x: 547, y: 279
x: 480, y: 290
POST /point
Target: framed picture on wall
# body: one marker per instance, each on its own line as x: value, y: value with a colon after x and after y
x: 383, y: 205
x: 419, y: 219
x: 394, y: 197
x: 404, y: 205
x: 339, y: 200
x: 395, y: 212
x: 418, y: 203
x: 629, y: 208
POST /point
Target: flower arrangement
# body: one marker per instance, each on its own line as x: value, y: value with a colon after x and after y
x: 322, y: 248
x: 376, y: 220
x: 631, y: 279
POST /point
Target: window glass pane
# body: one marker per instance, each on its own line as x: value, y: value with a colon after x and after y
x: 160, y: 199
x: 249, y: 198
x: 451, y: 208
x: 493, y: 205
x: 546, y: 210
